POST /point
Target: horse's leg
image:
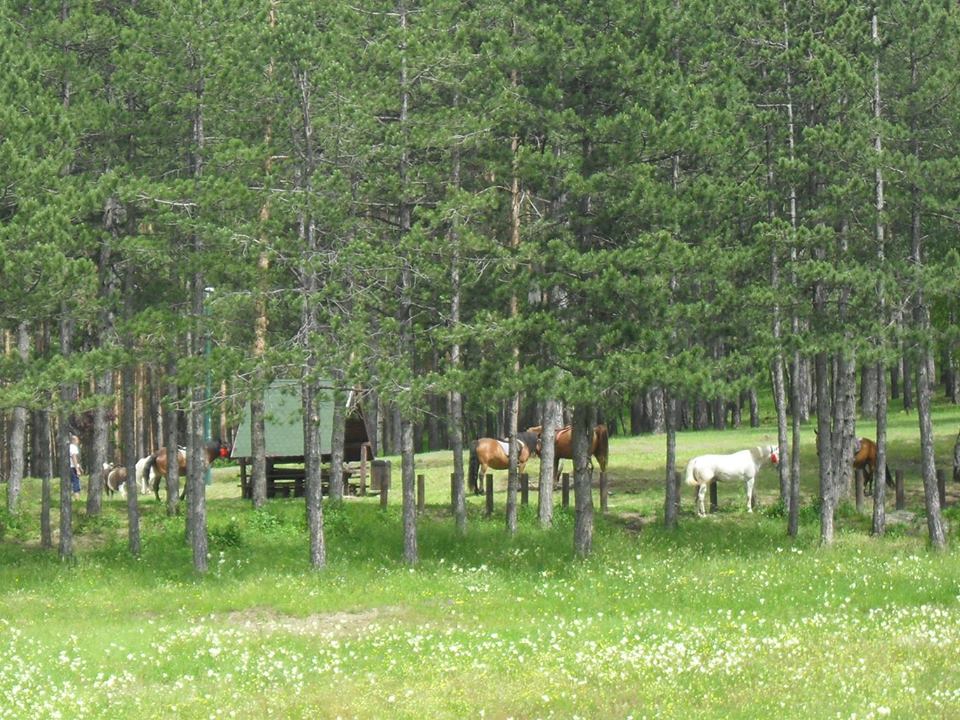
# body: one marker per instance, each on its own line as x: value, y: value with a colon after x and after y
x: 701, y: 493
x: 750, y: 480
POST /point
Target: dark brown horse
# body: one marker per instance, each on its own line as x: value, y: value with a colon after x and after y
x: 494, y: 454
x: 563, y: 446
x: 156, y: 465
x: 865, y: 458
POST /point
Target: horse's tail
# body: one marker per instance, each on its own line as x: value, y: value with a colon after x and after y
x: 602, y: 453
x: 474, y: 468
x: 688, y: 475
x: 148, y: 470
x: 141, y: 471
x: 890, y: 482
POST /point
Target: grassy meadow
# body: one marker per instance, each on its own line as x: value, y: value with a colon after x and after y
x: 725, y: 618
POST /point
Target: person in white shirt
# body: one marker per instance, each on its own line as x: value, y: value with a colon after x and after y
x: 76, y: 470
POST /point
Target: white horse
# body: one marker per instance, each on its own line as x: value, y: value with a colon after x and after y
x: 744, y: 465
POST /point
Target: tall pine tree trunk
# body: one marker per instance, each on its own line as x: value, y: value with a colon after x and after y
x: 583, y: 423
x: 196, y: 467
x: 171, y: 425
x: 337, y: 439
x: 548, y: 450
x: 312, y: 459
x: 514, y: 409
x: 18, y: 429
x: 456, y: 398
x: 68, y: 393
x: 197, y: 493
x: 671, y: 503
x: 406, y: 350
x: 258, y: 440
x: 879, y: 472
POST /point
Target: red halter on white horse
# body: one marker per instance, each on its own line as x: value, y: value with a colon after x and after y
x: 744, y: 465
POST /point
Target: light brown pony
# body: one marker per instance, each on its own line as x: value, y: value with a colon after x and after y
x: 563, y: 446
x: 490, y: 453
x: 865, y: 458
x: 156, y: 465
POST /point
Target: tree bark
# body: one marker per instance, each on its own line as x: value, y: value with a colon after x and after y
x: 907, y: 381
x: 548, y: 449
x: 312, y: 459
x: 68, y: 392
x: 657, y: 412
x: 337, y: 441
x: 410, y: 551
x: 101, y: 443
x: 128, y: 437
x: 880, y: 471
x: 456, y: 398
x: 171, y: 425
x: 928, y: 466
x: 956, y: 459
x: 868, y: 391
x: 18, y: 429
x: 583, y: 424
x: 671, y: 502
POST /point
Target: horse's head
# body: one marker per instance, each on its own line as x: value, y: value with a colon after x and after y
x: 772, y: 452
x: 217, y: 448
x: 531, y: 441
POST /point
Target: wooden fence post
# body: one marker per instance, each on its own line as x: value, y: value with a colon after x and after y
x: 363, y: 469
x: 604, y: 491
x: 565, y: 489
x: 677, y: 485
x: 858, y: 484
x: 384, y: 489
x: 524, y: 489
x: 901, y: 498
x: 421, y: 494
x: 489, y: 494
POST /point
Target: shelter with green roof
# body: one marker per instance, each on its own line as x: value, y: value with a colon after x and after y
x: 283, y: 426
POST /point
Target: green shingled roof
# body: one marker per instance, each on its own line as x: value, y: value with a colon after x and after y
x: 284, y: 421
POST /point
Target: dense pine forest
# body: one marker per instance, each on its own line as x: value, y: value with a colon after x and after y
x: 465, y: 217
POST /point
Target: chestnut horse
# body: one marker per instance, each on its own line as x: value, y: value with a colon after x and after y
x: 495, y: 454
x: 865, y: 458
x: 156, y: 465
x: 563, y: 446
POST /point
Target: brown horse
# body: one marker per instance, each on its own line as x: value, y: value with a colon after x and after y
x: 494, y: 454
x: 563, y: 446
x: 156, y: 465
x: 865, y: 458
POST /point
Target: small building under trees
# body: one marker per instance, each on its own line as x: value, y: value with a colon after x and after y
x: 284, y: 441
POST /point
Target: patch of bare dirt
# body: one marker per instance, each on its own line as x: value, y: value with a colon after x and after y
x: 633, y: 522
x: 331, y: 625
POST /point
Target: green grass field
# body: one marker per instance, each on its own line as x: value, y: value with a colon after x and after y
x: 725, y: 618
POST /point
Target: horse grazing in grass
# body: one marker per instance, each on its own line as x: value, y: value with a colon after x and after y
x: 155, y: 466
x: 743, y: 465
x: 563, y: 445
x: 115, y: 477
x: 495, y: 454
x: 865, y: 458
